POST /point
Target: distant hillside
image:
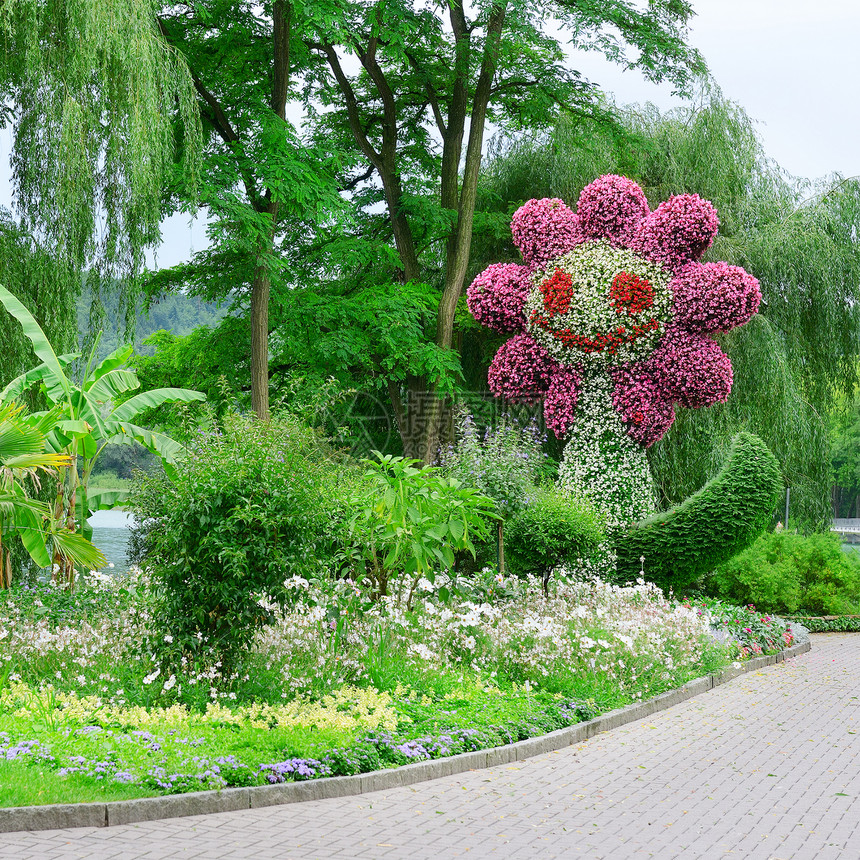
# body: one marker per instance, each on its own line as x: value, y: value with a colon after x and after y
x: 178, y: 313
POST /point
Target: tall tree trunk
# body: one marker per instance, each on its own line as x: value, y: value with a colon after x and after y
x: 260, y: 290
x: 262, y: 283
x: 459, y: 244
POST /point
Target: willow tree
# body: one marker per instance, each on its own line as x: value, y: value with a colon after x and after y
x: 85, y: 84
x: 796, y: 359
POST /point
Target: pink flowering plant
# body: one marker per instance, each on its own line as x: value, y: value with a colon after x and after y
x: 613, y: 318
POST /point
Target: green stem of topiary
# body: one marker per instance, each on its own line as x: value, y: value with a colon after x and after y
x: 601, y: 462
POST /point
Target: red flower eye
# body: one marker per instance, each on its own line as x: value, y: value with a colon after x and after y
x: 630, y: 294
x: 557, y: 293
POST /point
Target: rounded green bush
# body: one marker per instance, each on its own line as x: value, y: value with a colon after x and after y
x: 784, y: 573
x: 714, y: 524
x: 552, y: 529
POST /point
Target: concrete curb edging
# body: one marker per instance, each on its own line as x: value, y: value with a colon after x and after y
x: 109, y: 814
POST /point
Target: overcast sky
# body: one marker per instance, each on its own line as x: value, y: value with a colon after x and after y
x: 794, y: 65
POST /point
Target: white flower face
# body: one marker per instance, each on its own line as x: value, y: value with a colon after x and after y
x: 598, y: 306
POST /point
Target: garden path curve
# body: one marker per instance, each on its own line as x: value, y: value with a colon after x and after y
x: 766, y: 767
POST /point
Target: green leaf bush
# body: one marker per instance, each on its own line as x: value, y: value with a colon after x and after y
x: 708, y: 528
x: 248, y: 510
x: 409, y: 520
x: 788, y: 573
x: 554, y: 528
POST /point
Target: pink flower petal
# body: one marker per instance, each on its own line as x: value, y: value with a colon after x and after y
x: 638, y: 399
x: 560, y: 401
x: 496, y: 297
x: 714, y: 296
x: 612, y: 207
x: 692, y: 368
x: 544, y: 230
x: 679, y: 230
x: 521, y: 369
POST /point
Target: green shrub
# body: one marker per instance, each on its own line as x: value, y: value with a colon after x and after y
x: 789, y: 573
x: 247, y: 510
x: 552, y: 529
x: 408, y: 522
x: 714, y: 524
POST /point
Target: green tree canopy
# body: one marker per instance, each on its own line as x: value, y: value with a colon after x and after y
x: 261, y: 185
x: 411, y: 88
x: 380, y: 190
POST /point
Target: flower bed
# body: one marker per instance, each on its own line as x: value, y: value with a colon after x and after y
x: 334, y: 686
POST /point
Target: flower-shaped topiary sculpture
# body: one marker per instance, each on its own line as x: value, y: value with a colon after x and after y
x: 612, y: 316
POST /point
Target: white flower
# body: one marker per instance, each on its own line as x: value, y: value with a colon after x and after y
x: 296, y: 582
x: 266, y: 602
x: 168, y: 638
x: 152, y: 676
x: 419, y: 649
x: 170, y: 683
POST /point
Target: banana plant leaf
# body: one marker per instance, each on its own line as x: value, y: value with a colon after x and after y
x: 33, y: 332
x: 163, y: 446
x: 39, y: 373
x: 112, y: 384
x: 115, y: 361
x: 100, y: 500
x: 151, y: 399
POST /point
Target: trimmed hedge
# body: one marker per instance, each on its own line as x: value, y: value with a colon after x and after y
x: 719, y: 521
x: 828, y: 624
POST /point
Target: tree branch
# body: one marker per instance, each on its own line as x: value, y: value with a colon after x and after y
x: 224, y: 128
x: 351, y: 184
x: 352, y: 110
x: 281, y: 18
x: 432, y: 95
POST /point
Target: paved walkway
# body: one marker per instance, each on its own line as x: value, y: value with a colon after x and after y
x: 766, y: 767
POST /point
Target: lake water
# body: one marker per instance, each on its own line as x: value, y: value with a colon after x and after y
x: 110, y: 535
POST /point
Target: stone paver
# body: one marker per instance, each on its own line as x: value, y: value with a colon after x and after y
x: 766, y: 767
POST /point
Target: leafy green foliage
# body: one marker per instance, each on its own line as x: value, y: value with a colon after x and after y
x: 845, y: 453
x: 552, y: 529
x: 409, y: 522
x: 83, y: 419
x: 504, y: 462
x: 792, y: 574
x: 247, y: 510
x: 86, y: 83
x: 712, y: 525
x: 23, y: 459
x: 40, y: 282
